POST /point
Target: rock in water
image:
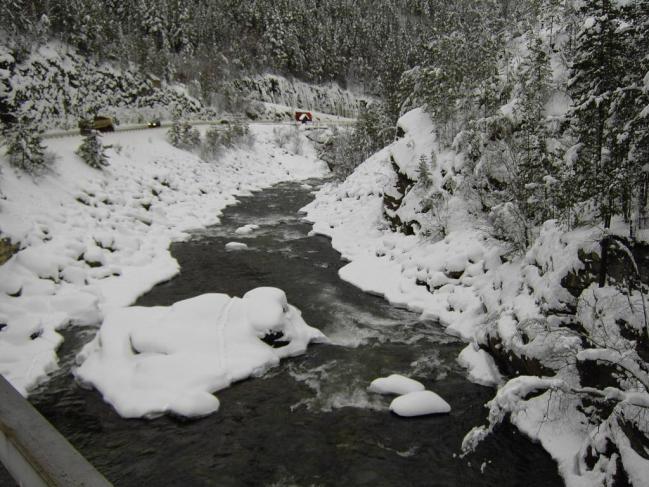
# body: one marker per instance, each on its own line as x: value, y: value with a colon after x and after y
x: 395, y: 384
x: 419, y: 403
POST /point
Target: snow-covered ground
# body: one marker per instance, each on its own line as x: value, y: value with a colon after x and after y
x: 451, y: 269
x: 93, y: 241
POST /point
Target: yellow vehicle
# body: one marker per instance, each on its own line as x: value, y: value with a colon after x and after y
x: 100, y: 123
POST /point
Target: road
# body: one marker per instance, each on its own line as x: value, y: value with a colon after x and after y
x: 218, y: 123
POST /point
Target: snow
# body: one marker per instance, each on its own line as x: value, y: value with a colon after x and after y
x: 471, y: 282
x: 395, y: 384
x: 419, y: 403
x: 328, y: 98
x: 419, y: 140
x: 246, y: 229
x: 55, y: 85
x: 92, y: 241
x: 152, y: 361
x: 481, y: 366
x: 236, y: 246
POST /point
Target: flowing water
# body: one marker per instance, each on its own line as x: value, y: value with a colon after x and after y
x: 310, y: 421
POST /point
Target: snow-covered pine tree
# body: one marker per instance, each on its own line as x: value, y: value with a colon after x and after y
x: 530, y: 139
x: 25, y: 149
x: 596, y: 73
x: 634, y: 98
x: 92, y: 151
x: 425, y: 178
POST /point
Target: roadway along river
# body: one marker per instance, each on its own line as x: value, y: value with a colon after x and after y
x: 309, y: 421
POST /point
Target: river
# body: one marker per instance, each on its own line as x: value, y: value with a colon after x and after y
x: 310, y: 421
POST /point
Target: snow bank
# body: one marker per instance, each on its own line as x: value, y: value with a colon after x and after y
x: 419, y: 403
x: 151, y: 361
x: 93, y: 241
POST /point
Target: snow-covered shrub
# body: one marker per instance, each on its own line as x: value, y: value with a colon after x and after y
x: 25, y: 149
x: 340, y: 153
x: 92, y: 151
x: 509, y: 224
x: 212, y: 145
x: 219, y: 138
x: 183, y: 135
x: 237, y: 134
x: 281, y: 136
x: 288, y: 138
x: 436, y: 204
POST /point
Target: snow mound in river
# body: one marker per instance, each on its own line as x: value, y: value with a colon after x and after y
x: 170, y: 359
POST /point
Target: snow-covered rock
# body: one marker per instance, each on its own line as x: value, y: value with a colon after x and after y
x: 236, y: 246
x: 246, y: 229
x: 419, y: 403
x: 395, y: 384
x: 170, y: 359
x: 481, y: 366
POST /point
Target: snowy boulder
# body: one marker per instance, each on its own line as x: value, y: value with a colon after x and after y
x: 246, y: 229
x: 419, y: 403
x: 171, y: 359
x: 266, y: 307
x: 395, y: 384
x: 481, y: 366
x: 235, y: 246
x: 40, y: 260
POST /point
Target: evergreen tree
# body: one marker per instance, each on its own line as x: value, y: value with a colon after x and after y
x: 535, y: 164
x: 425, y: 177
x: 633, y: 99
x: 92, y: 151
x: 596, y: 74
x: 25, y: 149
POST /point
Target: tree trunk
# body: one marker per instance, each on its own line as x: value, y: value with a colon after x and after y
x: 603, y: 267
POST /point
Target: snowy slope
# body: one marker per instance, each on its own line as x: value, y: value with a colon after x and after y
x: 54, y: 85
x: 93, y: 241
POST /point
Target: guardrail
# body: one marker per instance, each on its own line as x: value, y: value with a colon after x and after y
x: 34, y: 452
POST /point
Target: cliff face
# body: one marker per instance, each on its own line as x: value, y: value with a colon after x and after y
x: 327, y: 98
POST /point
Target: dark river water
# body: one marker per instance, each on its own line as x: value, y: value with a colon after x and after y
x: 310, y: 421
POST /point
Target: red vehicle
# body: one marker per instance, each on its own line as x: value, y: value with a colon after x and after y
x: 303, y: 117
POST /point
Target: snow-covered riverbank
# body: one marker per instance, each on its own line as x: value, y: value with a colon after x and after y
x: 93, y: 241
x: 512, y: 308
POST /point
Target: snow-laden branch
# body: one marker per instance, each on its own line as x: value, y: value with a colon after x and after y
x: 624, y: 359
x: 513, y: 395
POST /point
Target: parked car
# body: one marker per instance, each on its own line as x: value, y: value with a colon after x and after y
x: 153, y: 124
x: 100, y: 123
